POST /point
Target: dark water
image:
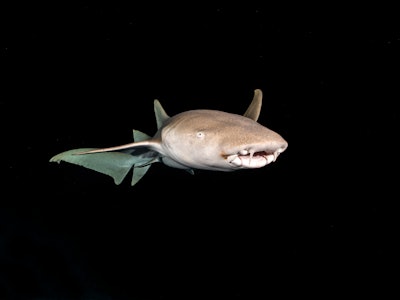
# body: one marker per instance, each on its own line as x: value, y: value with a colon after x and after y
x: 319, y: 222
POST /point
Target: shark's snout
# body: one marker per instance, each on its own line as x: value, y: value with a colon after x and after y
x: 257, y: 157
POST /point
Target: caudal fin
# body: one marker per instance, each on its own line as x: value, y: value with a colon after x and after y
x: 112, y: 163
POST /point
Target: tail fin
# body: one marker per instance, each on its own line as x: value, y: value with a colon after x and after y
x: 115, y: 164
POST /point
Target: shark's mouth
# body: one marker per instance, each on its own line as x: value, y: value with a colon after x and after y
x: 253, y: 159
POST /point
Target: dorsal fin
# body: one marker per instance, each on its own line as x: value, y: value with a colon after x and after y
x: 254, y: 109
x: 161, y: 115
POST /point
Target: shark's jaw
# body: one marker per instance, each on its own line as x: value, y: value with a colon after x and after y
x: 251, y: 159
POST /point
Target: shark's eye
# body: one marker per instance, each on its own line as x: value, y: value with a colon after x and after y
x: 200, y: 134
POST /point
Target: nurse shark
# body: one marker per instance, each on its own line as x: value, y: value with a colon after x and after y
x: 195, y: 139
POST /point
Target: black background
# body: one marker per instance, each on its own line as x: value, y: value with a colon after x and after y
x: 318, y: 222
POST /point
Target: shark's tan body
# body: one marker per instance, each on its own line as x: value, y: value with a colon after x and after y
x: 195, y: 139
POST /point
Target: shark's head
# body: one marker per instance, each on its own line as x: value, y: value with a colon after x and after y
x: 217, y: 140
x: 220, y: 141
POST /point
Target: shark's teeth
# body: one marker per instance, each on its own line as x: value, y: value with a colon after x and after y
x: 243, y: 152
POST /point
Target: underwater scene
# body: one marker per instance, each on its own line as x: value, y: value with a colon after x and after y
x: 197, y: 152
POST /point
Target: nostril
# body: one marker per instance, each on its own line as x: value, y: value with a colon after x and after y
x: 243, y: 152
x: 283, y: 148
